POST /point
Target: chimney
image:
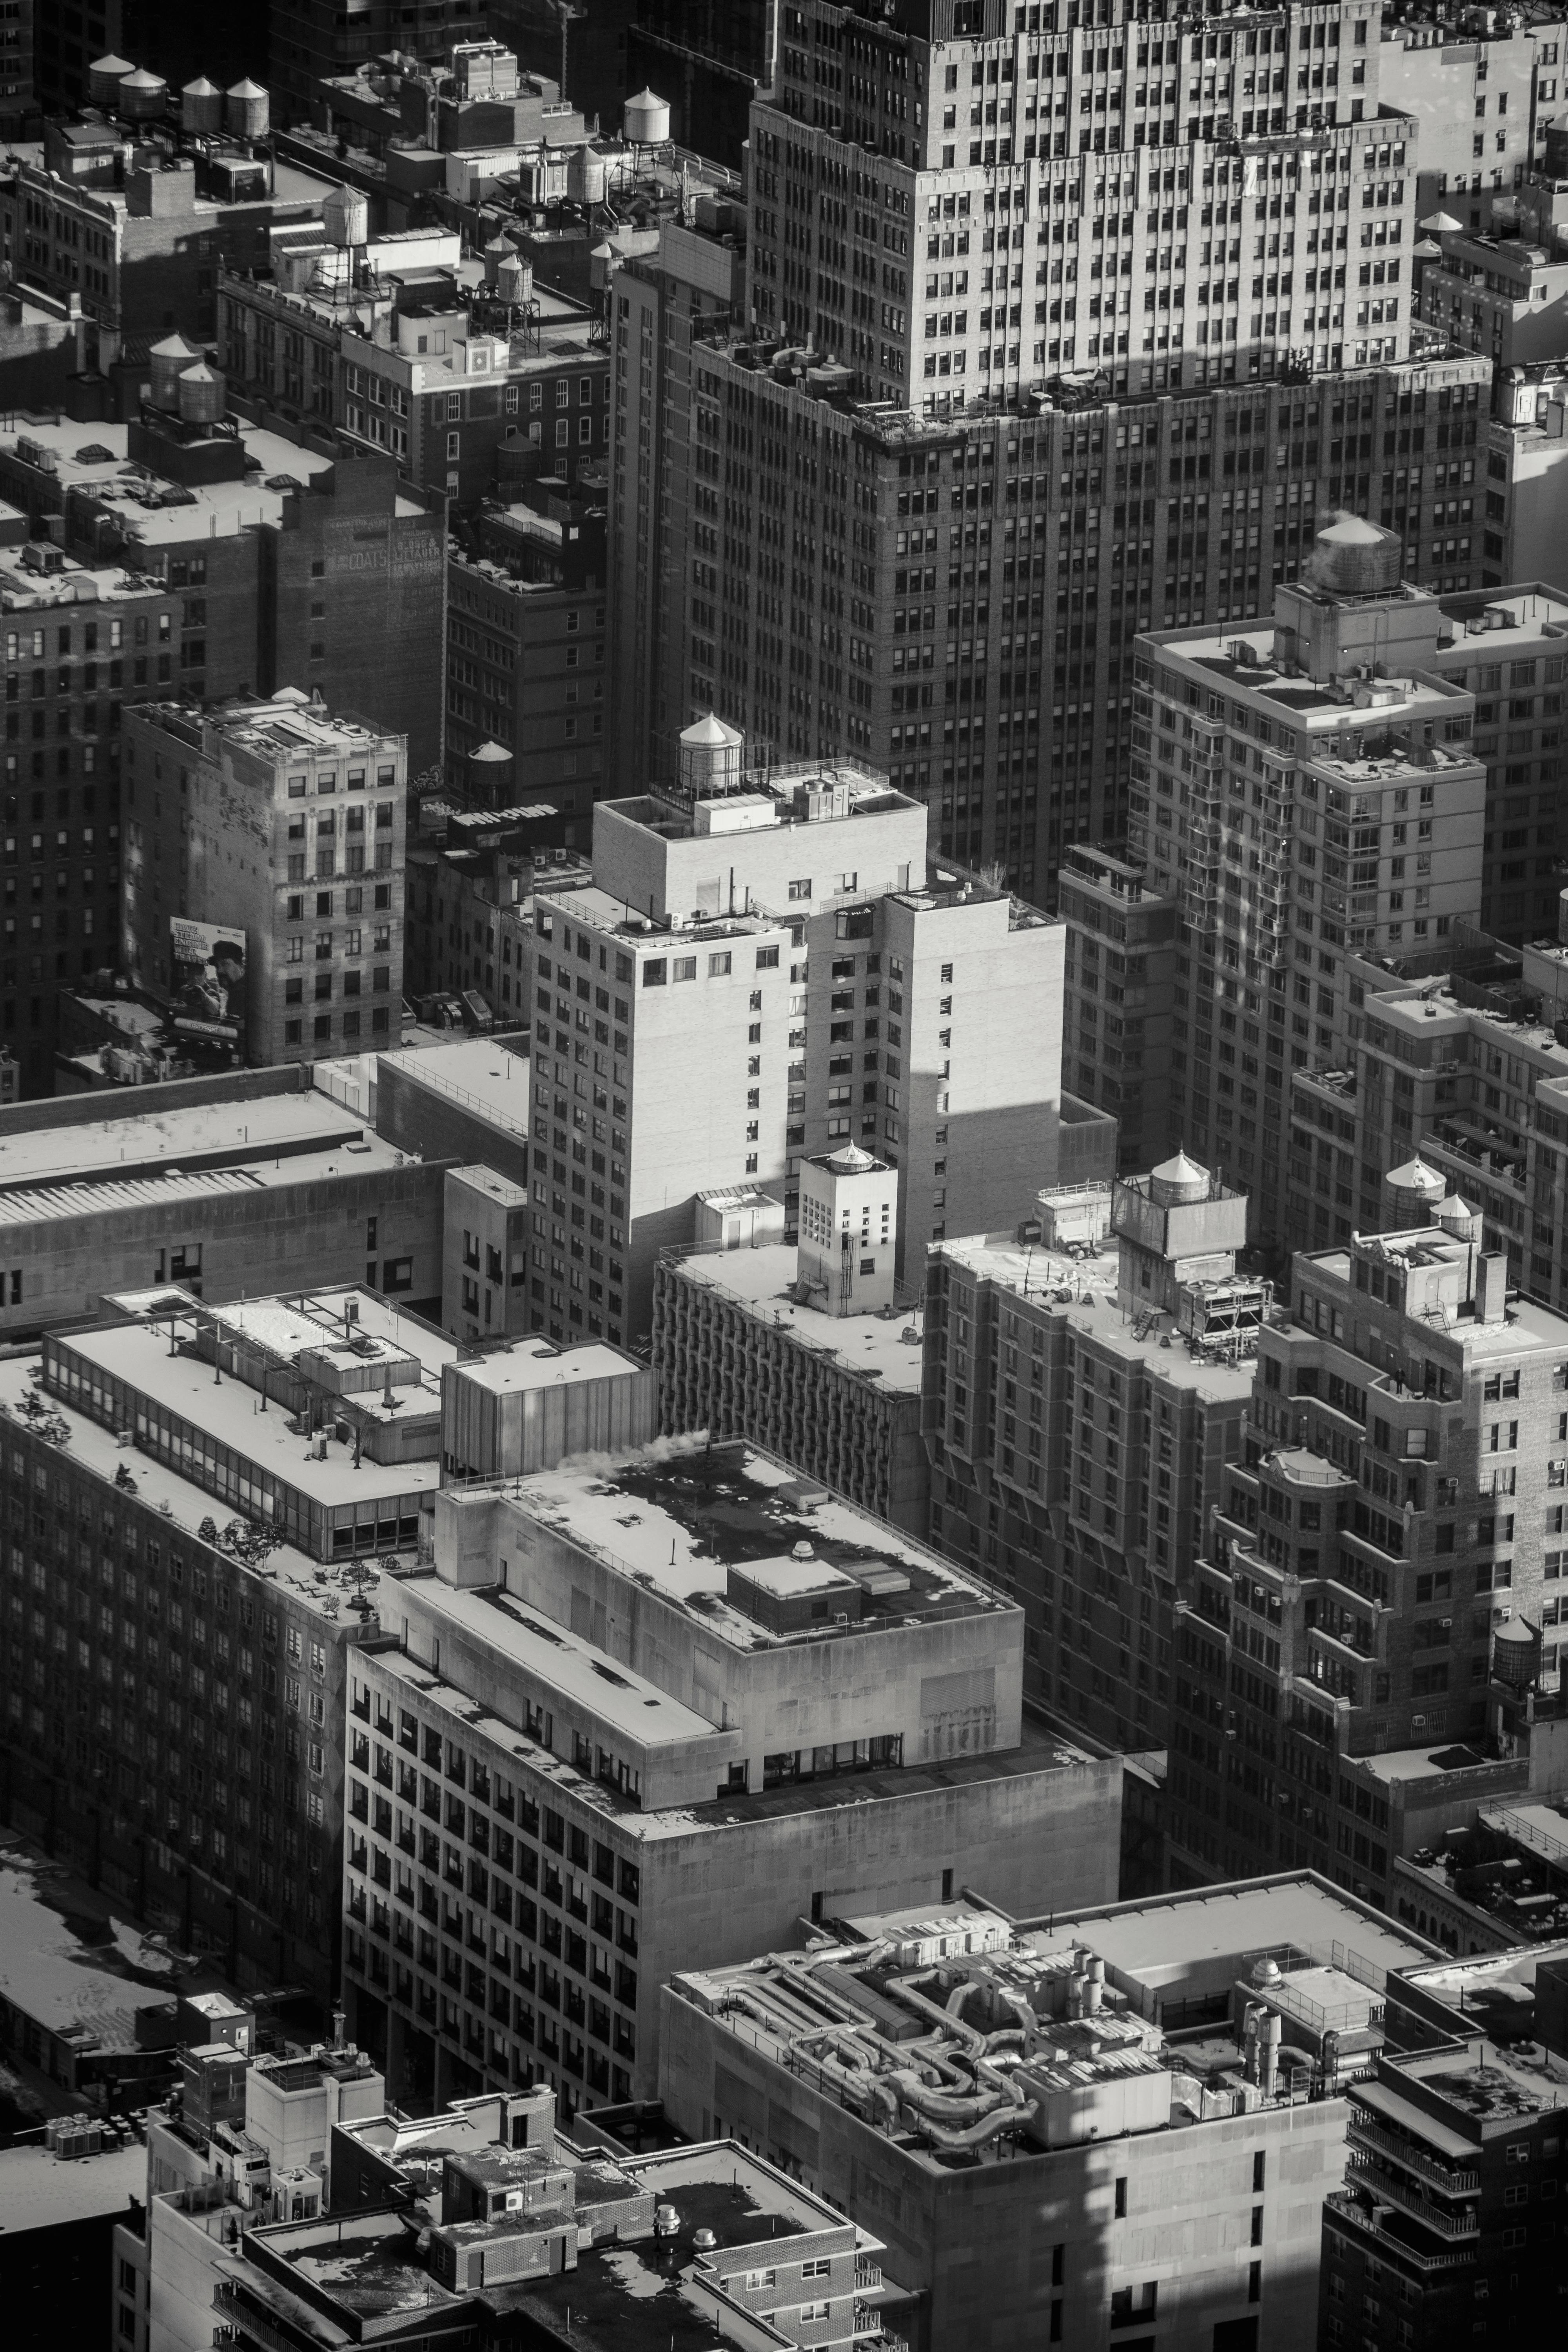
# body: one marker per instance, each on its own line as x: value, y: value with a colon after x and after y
x: 1491, y: 1289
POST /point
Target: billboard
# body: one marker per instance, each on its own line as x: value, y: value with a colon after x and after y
x: 206, y: 965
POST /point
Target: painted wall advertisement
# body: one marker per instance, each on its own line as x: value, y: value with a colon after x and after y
x: 206, y: 965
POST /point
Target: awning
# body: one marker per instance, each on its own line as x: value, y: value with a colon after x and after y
x: 1411, y: 2119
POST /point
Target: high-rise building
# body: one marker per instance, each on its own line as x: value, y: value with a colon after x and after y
x: 597, y: 1752
x: 1460, y: 1065
x: 1078, y: 456
x: 1079, y: 1437
x: 1303, y: 797
x: 1456, y: 2161
x: 264, y: 875
x: 1493, y: 289
x: 1372, y: 1599
x: 1119, y: 996
x: 1151, y: 2096
x: 1482, y: 92
x: 666, y: 305
x: 768, y: 966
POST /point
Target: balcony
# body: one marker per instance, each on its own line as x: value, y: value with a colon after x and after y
x: 1369, y: 2173
x: 1405, y: 2153
x: 1389, y: 2235
x: 867, y: 2278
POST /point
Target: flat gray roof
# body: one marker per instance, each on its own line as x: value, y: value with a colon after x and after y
x: 125, y: 1142
x: 758, y: 1279
x: 1159, y: 1940
x: 38, y: 2191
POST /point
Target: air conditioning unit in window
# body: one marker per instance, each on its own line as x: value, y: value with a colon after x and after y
x: 1418, y: 1723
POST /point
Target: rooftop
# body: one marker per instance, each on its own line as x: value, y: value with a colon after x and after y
x: 1319, y: 705
x: 178, y: 1501
x: 178, y: 1139
x: 1169, y: 1937
x: 554, y: 1659
x: 1524, y: 1323
x: 107, y: 1194
x: 482, y: 1075
x: 528, y: 1364
x: 640, y: 2297
x: 286, y: 726
x: 760, y: 1280
x: 1036, y: 1752
x: 1083, y: 1292
x: 1491, y: 622
x: 1489, y: 2083
x: 1050, y: 2038
x: 38, y: 2189
x: 81, y: 1979
x: 678, y: 1515
x: 93, y: 462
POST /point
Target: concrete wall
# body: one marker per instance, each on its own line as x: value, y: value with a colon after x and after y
x: 980, y: 2243
x: 310, y: 1232
x: 431, y: 1121
x: 950, y: 1688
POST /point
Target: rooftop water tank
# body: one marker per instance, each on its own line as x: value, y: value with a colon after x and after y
x: 1516, y: 1653
x: 142, y: 96
x: 645, y: 121
x: 1457, y: 1217
x: 247, y: 110
x: 1177, y: 1183
x: 587, y: 175
x: 515, y: 281
x: 1410, y: 1194
x: 345, y: 216
x: 104, y: 77
x: 1354, y: 557
x: 167, y: 362
x: 203, y: 395
x: 713, y: 756
x: 201, y: 108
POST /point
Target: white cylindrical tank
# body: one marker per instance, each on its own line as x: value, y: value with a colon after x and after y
x: 514, y: 280
x: 167, y: 363
x: 247, y: 110
x: 203, y: 395
x: 142, y: 96
x: 345, y: 215
x: 646, y: 121
x: 104, y: 77
x: 201, y: 108
x: 587, y: 175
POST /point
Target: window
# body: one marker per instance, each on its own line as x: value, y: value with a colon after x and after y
x: 801, y: 889
x: 767, y: 958
x: 397, y: 1274
x: 655, y: 972
x: 719, y: 966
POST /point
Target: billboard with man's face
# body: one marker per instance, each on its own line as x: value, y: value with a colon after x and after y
x: 206, y: 964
